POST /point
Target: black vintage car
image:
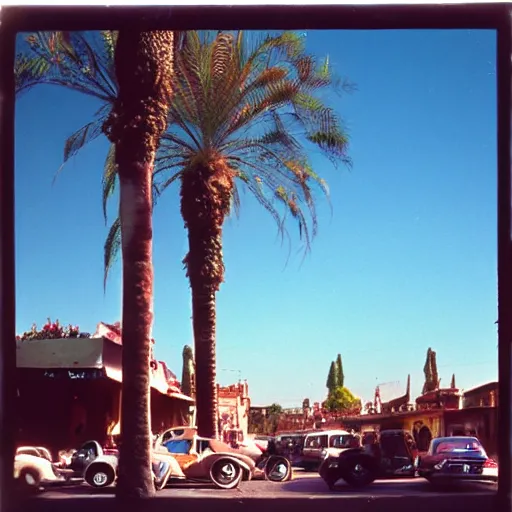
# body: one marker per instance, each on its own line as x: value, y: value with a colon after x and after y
x: 391, y: 453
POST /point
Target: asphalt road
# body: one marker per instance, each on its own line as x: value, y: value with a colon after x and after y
x: 303, y: 485
x: 411, y: 495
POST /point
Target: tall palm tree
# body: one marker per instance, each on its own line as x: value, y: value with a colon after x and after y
x: 144, y: 68
x: 245, y: 112
x: 137, y: 117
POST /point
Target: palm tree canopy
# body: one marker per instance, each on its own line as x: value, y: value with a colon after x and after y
x: 81, y: 61
x: 252, y: 102
x: 253, y: 105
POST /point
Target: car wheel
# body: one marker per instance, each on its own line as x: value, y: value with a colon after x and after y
x: 100, y: 475
x: 358, y: 472
x: 30, y: 478
x: 226, y: 473
x: 278, y: 469
x: 330, y: 478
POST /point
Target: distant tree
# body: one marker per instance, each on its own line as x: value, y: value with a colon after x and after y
x: 332, y: 378
x: 273, y: 415
x: 305, y: 404
x: 341, y: 399
x: 274, y: 409
x: 452, y: 384
x: 340, y: 377
x: 187, y: 375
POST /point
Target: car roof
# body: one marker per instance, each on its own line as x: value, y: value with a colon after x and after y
x: 186, y: 433
x: 329, y: 433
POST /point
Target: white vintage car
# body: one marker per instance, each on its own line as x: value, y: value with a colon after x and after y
x: 33, y: 467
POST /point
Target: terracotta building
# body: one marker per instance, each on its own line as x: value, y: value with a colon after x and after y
x: 482, y: 396
x: 233, y: 407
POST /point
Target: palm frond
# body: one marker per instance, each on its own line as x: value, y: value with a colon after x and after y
x: 109, y: 178
x: 112, y: 249
x: 76, y: 60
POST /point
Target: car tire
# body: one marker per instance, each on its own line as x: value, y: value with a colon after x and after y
x: 278, y: 469
x: 30, y: 478
x: 226, y: 474
x: 358, y: 472
x: 330, y: 478
x: 100, y: 475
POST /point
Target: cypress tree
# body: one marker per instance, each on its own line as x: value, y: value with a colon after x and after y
x: 340, y: 377
x: 331, y: 378
x: 187, y: 375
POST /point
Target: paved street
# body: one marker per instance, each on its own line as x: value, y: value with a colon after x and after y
x: 303, y: 485
x: 264, y: 496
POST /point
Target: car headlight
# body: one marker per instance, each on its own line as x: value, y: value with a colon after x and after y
x: 440, y: 465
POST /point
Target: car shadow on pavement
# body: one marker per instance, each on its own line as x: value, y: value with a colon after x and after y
x: 383, y: 487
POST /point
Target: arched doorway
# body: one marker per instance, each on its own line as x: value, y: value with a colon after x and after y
x: 423, y: 438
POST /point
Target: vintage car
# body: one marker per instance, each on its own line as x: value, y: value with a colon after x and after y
x: 98, y: 467
x: 392, y: 453
x: 269, y: 466
x: 316, y: 444
x: 208, y: 460
x: 290, y: 445
x: 458, y: 458
x: 33, y: 468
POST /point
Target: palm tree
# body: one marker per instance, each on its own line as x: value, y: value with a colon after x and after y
x: 136, y: 118
x: 244, y: 113
x: 144, y: 68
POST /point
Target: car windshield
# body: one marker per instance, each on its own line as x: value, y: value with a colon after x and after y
x: 469, y: 447
x: 178, y: 445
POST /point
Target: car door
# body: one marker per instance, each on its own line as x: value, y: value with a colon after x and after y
x: 183, y: 451
x: 195, y: 465
x: 313, y: 446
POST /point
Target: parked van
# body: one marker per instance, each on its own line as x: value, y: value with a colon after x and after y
x: 316, y: 442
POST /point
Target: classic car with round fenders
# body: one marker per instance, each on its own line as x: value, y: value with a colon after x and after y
x: 34, y: 468
x: 392, y: 453
x: 97, y: 466
x: 460, y: 458
x: 267, y: 464
x: 200, y: 459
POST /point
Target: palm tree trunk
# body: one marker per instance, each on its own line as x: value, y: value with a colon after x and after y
x: 205, y: 202
x: 135, y: 477
x: 143, y: 63
x: 204, y: 323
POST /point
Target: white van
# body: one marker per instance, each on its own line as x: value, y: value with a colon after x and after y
x: 316, y: 442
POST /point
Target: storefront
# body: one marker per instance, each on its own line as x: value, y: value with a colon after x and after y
x: 69, y: 392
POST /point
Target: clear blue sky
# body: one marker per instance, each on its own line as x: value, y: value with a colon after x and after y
x: 407, y: 261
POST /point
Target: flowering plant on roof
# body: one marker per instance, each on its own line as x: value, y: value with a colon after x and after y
x: 52, y: 331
